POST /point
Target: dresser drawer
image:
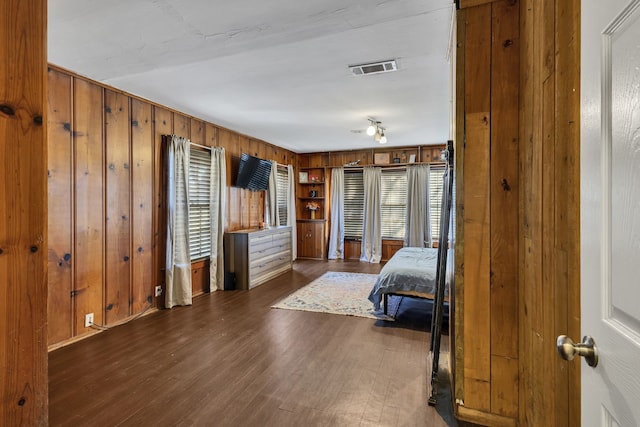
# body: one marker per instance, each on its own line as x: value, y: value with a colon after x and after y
x: 258, y: 266
x: 260, y: 243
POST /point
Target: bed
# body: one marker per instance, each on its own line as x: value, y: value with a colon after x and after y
x: 410, y: 272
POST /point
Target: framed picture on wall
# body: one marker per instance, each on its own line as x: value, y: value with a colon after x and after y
x: 303, y: 177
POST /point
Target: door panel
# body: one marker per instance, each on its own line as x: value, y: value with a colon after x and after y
x: 610, y: 209
x: 622, y: 63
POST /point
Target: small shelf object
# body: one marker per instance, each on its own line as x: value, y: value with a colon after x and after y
x: 312, y: 206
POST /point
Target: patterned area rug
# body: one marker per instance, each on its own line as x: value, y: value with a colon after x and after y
x: 339, y: 293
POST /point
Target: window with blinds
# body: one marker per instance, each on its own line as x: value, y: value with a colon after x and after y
x: 353, y: 204
x: 282, y: 194
x: 199, y: 210
x: 435, y: 199
x: 393, y: 203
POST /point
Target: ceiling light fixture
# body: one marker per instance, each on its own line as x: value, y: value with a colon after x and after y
x: 383, y: 139
x: 371, y: 130
x: 377, y: 131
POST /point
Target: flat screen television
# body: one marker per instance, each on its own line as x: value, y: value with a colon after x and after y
x: 253, y: 173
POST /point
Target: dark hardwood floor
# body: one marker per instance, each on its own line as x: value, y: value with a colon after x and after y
x: 231, y: 360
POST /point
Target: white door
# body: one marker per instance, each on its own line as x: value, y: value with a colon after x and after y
x: 610, y: 210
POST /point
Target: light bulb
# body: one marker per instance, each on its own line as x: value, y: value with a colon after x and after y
x: 377, y: 136
x: 383, y: 139
x: 371, y: 130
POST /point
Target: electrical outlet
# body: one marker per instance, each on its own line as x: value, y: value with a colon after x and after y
x: 88, y: 320
x: 158, y: 291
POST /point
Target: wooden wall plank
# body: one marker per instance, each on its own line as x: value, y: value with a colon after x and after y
x: 567, y: 188
x: 256, y: 198
x: 211, y: 135
x: 476, y: 258
x: 256, y: 148
x: 525, y: 291
x: 547, y: 286
x: 60, y: 206
x: 505, y: 66
x: 196, y: 131
x: 533, y: 215
x: 142, y: 185
x: 456, y: 321
x: 89, y: 207
x: 229, y: 141
x: 477, y: 289
x: 318, y: 160
x: 23, y: 213
x: 118, y: 207
x: 162, y: 125
x: 504, y: 386
x: 247, y: 145
x: 181, y: 125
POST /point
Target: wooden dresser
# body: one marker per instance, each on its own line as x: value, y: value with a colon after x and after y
x: 257, y: 255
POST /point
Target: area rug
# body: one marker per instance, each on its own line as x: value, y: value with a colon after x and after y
x: 339, y: 293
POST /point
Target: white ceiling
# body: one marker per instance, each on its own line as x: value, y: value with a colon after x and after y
x: 276, y: 70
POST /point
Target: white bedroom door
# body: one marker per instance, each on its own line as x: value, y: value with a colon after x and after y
x: 610, y: 210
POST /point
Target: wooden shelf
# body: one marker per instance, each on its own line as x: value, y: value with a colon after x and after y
x: 383, y: 165
x: 311, y: 225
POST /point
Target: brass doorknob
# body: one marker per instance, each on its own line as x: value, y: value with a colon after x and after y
x: 567, y: 349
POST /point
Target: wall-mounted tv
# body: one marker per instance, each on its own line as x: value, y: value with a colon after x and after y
x: 253, y: 173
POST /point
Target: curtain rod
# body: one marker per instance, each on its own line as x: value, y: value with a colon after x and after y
x: 201, y: 146
x: 385, y: 167
x: 191, y: 143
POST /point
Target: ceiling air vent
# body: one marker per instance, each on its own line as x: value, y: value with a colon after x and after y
x: 374, y: 68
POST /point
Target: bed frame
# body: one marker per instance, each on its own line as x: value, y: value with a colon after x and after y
x: 410, y: 294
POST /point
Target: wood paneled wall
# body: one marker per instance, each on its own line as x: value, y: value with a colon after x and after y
x: 517, y: 249
x: 106, y: 205
x: 23, y: 212
x: 549, y: 281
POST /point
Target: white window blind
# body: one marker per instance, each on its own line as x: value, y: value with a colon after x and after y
x: 199, y: 210
x: 181, y: 198
x: 282, y: 194
x: 353, y: 204
x: 393, y: 201
x: 435, y: 202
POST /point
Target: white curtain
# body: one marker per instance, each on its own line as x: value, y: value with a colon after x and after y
x: 291, y: 211
x: 336, y: 235
x: 178, y: 261
x: 418, y: 221
x: 371, y: 247
x: 218, y: 209
x: 271, y: 200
